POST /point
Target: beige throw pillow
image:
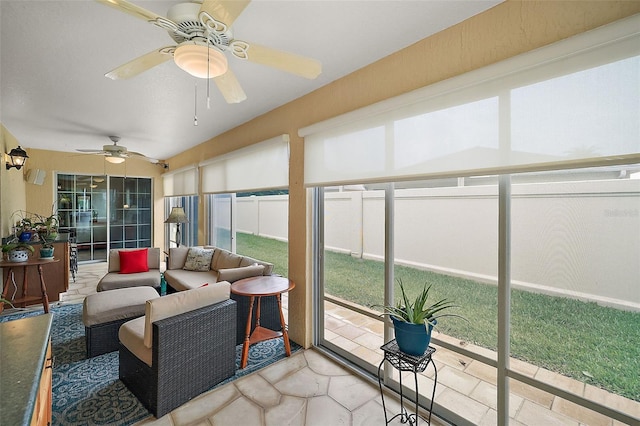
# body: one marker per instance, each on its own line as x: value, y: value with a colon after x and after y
x: 198, y: 259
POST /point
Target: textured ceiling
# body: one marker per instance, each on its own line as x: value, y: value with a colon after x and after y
x: 54, y: 54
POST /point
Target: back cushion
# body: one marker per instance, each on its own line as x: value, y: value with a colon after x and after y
x: 177, y: 257
x: 153, y: 259
x: 134, y: 261
x: 181, y: 302
x: 226, y: 260
x: 248, y: 261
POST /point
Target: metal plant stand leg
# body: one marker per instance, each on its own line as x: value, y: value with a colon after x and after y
x: 405, y: 362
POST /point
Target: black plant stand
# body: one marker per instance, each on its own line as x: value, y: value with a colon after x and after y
x: 405, y: 362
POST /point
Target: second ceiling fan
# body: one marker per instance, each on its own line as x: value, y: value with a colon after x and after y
x: 202, y: 32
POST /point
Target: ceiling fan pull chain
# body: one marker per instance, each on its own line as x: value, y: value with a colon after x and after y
x: 195, y: 106
x: 208, y: 75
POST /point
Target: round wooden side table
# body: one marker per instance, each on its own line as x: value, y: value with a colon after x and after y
x: 257, y: 287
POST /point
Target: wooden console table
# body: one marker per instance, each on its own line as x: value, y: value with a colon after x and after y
x: 56, y: 275
x: 25, y: 299
x: 267, y: 285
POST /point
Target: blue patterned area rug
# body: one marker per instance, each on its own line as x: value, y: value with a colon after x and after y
x: 88, y: 391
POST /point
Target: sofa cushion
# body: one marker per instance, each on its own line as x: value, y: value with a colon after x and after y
x: 108, y: 306
x: 131, y: 335
x: 198, y: 259
x: 133, y: 261
x: 181, y: 302
x: 177, y: 257
x: 112, y: 281
x: 248, y: 261
x: 153, y: 259
x: 225, y: 259
x: 235, y: 274
x: 181, y: 280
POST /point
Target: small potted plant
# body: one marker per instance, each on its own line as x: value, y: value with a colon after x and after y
x: 414, y: 320
x: 17, y: 251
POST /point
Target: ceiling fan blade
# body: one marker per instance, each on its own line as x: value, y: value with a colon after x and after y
x: 225, y: 11
x: 141, y: 64
x: 93, y: 151
x: 285, y: 61
x: 230, y: 87
x: 131, y: 9
x: 138, y: 154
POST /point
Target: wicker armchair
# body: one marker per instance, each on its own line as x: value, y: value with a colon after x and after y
x: 191, y: 353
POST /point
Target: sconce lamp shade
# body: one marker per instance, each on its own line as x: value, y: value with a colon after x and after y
x: 177, y: 215
x: 17, y: 158
x: 200, y: 60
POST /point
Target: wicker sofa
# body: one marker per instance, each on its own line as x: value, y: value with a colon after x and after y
x: 225, y: 266
x: 183, y: 346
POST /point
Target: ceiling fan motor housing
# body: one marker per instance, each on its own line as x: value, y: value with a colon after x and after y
x: 185, y: 16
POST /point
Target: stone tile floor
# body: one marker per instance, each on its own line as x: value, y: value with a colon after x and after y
x: 309, y: 389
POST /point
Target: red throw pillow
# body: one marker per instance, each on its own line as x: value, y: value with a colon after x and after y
x: 133, y: 261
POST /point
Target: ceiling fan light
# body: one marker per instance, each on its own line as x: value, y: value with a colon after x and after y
x: 114, y: 160
x: 193, y: 59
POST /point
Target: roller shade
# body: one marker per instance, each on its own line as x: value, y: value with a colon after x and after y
x: 558, y: 107
x: 181, y: 182
x: 261, y: 166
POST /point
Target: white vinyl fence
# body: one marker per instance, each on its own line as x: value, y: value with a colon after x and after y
x: 572, y: 239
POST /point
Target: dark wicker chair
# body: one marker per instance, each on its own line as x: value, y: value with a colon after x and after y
x: 269, y: 315
x: 192, y: 352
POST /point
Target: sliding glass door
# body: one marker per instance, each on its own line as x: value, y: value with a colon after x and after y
x: 103, y: 212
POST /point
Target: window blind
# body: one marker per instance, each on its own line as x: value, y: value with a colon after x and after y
x: 181, y: 182
x: 264, y: 165
x: 572, y: 104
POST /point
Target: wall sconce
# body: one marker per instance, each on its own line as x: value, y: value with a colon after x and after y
x: 17, y: 158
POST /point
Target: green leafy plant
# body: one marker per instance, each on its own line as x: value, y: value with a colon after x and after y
x: 419, y: 311
x: 17, y: 245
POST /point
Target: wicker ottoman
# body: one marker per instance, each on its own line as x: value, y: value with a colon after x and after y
x: 103, y: 313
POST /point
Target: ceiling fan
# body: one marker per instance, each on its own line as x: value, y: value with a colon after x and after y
x: 202, y: 32
x: 116, y: 153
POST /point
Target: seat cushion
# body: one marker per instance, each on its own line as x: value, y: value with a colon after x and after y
x: 116, y: 305
x: 181, y: 302
x: 114, y: 280
x: 182, y: 280
x: 131, y: 335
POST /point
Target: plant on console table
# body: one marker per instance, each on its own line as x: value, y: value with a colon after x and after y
x: 414, y: 320
x: 17, y: 251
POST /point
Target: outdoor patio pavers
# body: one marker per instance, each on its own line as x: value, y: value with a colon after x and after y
x: 534, y: 414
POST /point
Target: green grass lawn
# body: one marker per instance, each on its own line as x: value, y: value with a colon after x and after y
x: 590, y: 343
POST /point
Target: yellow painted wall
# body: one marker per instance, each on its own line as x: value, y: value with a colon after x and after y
x: 504, y: 31
x: 12, y: 185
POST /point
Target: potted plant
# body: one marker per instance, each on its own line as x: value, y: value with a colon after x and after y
x: 47, y: 227
x: 46, y: 250
x: 17, y: 251
x: 414, y: 320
